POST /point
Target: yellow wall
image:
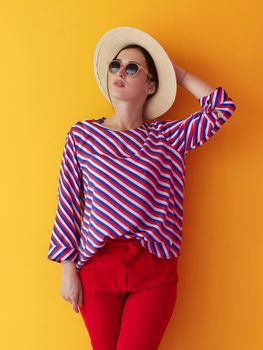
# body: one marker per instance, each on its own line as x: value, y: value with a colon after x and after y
x: 48, y: 84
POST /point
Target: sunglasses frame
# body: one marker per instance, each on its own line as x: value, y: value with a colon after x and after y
x: 140, y: 67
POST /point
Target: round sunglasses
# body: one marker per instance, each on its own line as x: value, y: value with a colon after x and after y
x: 131, y: 68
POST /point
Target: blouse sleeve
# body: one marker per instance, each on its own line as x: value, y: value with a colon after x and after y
x: 70, y: 203
x: 200, y: 126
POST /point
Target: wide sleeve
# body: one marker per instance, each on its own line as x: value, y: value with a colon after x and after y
x: 70, y: 204
x: 200, y: 126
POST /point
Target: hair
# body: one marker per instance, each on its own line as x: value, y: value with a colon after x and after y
x: 150, y: 65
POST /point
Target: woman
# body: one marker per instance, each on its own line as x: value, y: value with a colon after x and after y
x: 118, y: 226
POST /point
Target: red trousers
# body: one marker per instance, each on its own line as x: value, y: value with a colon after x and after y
x: 129, y: 296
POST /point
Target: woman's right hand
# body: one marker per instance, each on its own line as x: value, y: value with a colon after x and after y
x: 71, y: 288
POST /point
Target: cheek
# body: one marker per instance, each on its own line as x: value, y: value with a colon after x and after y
x: 138, y: 85
x: 109, y: 79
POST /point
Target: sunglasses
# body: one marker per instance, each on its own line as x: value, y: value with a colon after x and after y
x: 131, y: 68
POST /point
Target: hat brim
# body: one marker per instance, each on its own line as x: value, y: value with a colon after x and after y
x: 114, y: 40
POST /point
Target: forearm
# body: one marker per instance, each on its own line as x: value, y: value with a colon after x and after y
x: 192, y: 83
x: 196, y: 86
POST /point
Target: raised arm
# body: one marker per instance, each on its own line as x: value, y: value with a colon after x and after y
x: 216, y: 108
x: 192, y: 83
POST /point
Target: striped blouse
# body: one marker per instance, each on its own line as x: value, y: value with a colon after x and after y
x: 129, y: 183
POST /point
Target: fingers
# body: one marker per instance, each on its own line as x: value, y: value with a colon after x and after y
x: 78, y: 300
x: 73, y: 293
x: 65, y: 297
x: 73, y: 301
x: 75, y: 306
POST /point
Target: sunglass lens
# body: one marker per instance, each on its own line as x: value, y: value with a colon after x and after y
x: 114, y: 66
x: 132, y: 69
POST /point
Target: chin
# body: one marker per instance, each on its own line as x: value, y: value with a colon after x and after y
x: 120, y: 97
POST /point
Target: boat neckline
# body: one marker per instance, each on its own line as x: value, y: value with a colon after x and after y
x: 98, y: 123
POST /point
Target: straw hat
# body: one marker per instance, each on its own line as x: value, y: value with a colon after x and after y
x: 114, y: 40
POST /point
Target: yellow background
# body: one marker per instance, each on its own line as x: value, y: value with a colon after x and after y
x: 48, y: 84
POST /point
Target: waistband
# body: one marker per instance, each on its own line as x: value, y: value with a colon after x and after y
x: 122, y: 241
x: 133, y: 244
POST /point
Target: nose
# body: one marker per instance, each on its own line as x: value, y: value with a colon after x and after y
x: 121, y: 72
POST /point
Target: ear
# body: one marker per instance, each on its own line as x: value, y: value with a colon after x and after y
x: 151, y: 88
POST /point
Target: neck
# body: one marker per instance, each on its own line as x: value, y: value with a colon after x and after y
x: 127, y: 115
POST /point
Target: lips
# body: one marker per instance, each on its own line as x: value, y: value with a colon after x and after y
x: 119, y: 83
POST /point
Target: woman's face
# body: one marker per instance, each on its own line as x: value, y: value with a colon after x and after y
x: 135, y: 88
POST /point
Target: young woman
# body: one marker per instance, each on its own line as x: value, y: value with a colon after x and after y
x: 118, y: 226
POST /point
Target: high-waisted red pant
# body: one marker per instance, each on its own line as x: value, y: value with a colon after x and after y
x: 129, y: 296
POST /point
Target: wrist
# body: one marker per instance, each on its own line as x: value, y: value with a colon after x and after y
x: 68, y: 265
